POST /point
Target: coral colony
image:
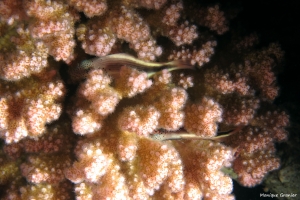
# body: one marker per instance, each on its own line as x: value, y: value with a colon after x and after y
x: 131, y: 131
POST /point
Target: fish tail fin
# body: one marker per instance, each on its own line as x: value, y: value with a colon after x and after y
x: 221, y: 138
x: 225, y: 137
x: 181, y: 64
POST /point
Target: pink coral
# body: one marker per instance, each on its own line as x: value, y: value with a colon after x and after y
x: 170, y: 106
x: 221, y: 82
x: 215, y: 20
x: 141, y: 120
x: 54, y: 25
x: 240, y: 110
x: 260, y: 66
x: 90, y: 8
x: 93, y: 163
x: 255, y: 147
x: 96, y: 89
x: 139, y: 133
x: 125, y: 25
x: 27, y: 107
x: 10, y: 11
x: 102, y: 98
x: 132, y: 82
x: 127, y: 146
x: 251, y: 168
x: 35, y: 171
x: 202, y: 118
x: 29, y: 57
x: 199, y: 56
x: 203, y: 160
x: 183, y: 34
x: 96, y: 41
x: 153, y: 170
x: 172, y: 14
x: 150, y: 4
x: 61, y: 190
x: 85, y: 120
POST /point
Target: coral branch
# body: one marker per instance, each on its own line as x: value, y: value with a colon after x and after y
x: 111, y: 130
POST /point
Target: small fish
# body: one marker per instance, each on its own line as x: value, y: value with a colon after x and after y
x: 128, y: 60
x: 185, y: 136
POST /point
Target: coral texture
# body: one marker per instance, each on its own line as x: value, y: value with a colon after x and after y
x: 73, y: 133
